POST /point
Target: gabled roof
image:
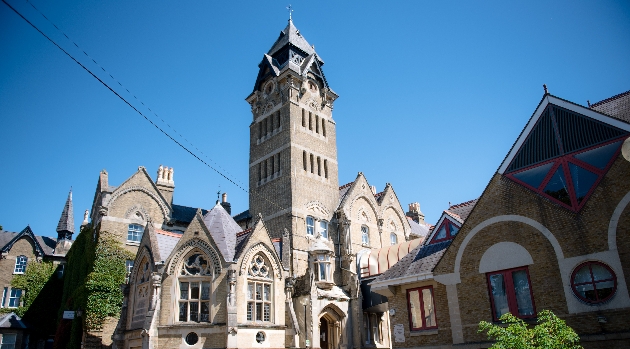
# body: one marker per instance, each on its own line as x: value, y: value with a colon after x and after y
x: 223, y: 230
x: 291, y: 36
x: 43, y: 244
x: 66, y: 221
x: 12, y: 320
x: 463, y: 210
x: 166, y: 242
x: 241, y: 240
x: 419, y: 230
x: 595, y: 117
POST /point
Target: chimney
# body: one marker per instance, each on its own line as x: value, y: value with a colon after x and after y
x: 226, y: 205
x: 165, y: 183
x: 415, y: 213
x: 373, y: 187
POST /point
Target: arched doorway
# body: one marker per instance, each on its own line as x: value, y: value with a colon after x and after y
x: 324, y: 333
x: 330, y: 327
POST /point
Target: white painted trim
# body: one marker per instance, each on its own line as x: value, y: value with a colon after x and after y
x: 383, y: 285
x: 614, y: 220
x: 508, y: 218
x: 504, y: 255
x: 564, y: 104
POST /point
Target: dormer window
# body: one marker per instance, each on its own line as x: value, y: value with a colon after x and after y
x: 20, y: 265
x: 447, y: 231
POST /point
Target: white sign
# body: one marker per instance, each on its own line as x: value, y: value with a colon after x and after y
x: 68, y: 315
x: 308, y: 343
x: 399, y: 333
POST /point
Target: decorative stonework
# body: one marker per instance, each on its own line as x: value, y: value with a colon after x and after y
x: 318, y: 208
x: 163, y: 207
x: 189, y: 246
x: 133, y: 212
x: 260, y: 248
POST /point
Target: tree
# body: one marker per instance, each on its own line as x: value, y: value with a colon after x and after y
x: 551, y: 332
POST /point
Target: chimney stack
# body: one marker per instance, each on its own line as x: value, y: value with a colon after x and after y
x: 415, y: 214
x: 165, y: 182
x: 226, y: 205
x: 373, y: 187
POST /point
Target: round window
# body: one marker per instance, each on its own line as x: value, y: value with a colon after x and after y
x: 192, y: 338
x: 593, y: 282
x: 260, y: 337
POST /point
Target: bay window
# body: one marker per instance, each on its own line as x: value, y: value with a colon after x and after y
x: 510, y: 291
x: 421, y: 308
x: 322, y: 267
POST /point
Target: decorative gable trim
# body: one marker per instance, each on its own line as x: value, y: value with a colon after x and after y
x: 26, y: 232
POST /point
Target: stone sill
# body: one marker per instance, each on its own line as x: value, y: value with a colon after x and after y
x: 132, y: 243
x: 424, y: 332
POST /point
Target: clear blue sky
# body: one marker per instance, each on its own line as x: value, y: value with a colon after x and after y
x: 432, y: 93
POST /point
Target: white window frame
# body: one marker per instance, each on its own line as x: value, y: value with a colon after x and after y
x: 393, y: 238
x: 14, y: 298
x: 310, y: 225
x: 322, y: 263
x: 20, y: 264
x: 259, y: 293
x: 365, y: 235
x: 132, y: 232
x: 204, y: 276
x: 323, y: 228
x: 4, y: 297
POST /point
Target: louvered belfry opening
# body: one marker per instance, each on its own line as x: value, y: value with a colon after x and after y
x: 565, y: 156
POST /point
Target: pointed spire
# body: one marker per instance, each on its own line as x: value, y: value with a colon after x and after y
x: 65, y: 227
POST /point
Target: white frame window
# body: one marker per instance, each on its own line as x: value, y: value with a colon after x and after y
x: 4, y: 297
x: 322, y: 267
x: 8, y: 341
x: 134, y: 232
x: 323, y: 229
x: 14, y: 298
x: 259, y: 290
x: 393, y: 238
x: 20, y: 265
x: 365, y: 235
x: 310, y: 225
x: 195, y: 288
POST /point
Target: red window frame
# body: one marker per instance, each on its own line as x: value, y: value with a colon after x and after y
x: 448, y: 231
x: 593, y: 282
x: 511, y: 296
x: 564, y: 161
x: 424, y: 325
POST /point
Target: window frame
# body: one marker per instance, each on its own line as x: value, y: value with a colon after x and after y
x: 251, y: 301
x: 21, y: 262
x: 325, y: 261
x: 13, y: 297
x: 422, y: 315
x: 184, y: 276
x: 593, y: 282
x: 510, y: 293
x: 4, y: 345
x: 448, y: 231
x: 322, y: 230
x: 310, y: 227
x: 393, y: 238
x: 129, y: 230
x: 365, y: 235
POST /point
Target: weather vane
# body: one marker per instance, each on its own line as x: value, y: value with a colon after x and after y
x: 290, y: 9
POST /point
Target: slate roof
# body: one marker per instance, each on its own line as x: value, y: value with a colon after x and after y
x: 242, y: 216
x: 46, y: 243
x: 185, y: 214
x: 241, y: 241
x: 420, y: 260
x: 463, y: 210
x: 419, y: 230
x: 291, y: 35
x: 343, y: 190
x: 166, y: 242
x: 66, y: 221
x: 223, y: 230
x: 617, y: 106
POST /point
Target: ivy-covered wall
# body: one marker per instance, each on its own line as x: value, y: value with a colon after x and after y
x: 94, y: 271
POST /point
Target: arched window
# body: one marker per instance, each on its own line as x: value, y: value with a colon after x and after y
x: 134, y: 232
x: 594, y: 282
x: 259, y: 290
x: 20, y: 265
x: 365, y: 235
x: 393, y: 238
x: 194, y: 279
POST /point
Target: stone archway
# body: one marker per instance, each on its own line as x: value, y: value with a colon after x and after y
x: 330, y: 323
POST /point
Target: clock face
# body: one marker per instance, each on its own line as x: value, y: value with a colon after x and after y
x: 268, y: 87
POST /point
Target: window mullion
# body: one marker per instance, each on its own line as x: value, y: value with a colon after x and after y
x: 511, y: 292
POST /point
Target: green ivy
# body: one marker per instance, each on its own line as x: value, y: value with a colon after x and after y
x: 550, y: 333
x: 95, y: 270
x: 32, y: 282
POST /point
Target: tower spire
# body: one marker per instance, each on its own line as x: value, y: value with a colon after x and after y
x: 290, y: 9
x: 65, y: 227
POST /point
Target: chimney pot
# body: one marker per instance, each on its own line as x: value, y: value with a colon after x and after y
x: 224, y: 197
x: 373, y: 187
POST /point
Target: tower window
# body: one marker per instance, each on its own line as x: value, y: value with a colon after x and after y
x: 323, y: 127
x: 303, y: 118
x: 265, y: 169
x: 277, y: 162
x: 312, y: 163
x: 260, y: 129
x: 278, y: 118
x: 310, y: 121
x: 316, y: 124
x: 304, y: 160
x: 319, y: 162
x: 259, y: 171
x: 325, y: 168
x: 273, y: 164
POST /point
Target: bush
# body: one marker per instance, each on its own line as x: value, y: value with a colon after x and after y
x: 550, y: 333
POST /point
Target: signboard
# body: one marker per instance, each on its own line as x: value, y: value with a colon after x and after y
x: 68, y: 315
x: 308, y: 342
x: 399, y: 333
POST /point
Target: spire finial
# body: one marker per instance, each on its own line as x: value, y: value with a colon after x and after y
x: 290, y: 9
x: 545, y: 87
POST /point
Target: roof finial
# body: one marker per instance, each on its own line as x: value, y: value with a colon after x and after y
x: 545, y: 87
x: 290, y: 9
x: 589, y: 103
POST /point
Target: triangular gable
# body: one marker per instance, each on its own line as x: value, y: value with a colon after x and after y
x: 359, y: 188
x: 564, y: 151
x: 145, y: 179
x: 445, y: 226
x: 259, y: 239
x: 26, y: 232
x: 394, y: 203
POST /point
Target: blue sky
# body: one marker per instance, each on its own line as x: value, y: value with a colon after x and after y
x: 432, y: 94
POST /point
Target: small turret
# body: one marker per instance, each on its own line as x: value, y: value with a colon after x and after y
x: 65, y: 227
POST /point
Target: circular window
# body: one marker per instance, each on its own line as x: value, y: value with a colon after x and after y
x: 593, y: 282
x: 260, y: 337
x: 192, y: 338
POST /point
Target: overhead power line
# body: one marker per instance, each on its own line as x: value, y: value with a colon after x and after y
x: 127, y: 102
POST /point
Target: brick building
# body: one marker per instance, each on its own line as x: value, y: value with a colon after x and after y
x: 550, y: 231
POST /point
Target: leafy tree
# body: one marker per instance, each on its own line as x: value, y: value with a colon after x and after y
x: 550, y: 333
